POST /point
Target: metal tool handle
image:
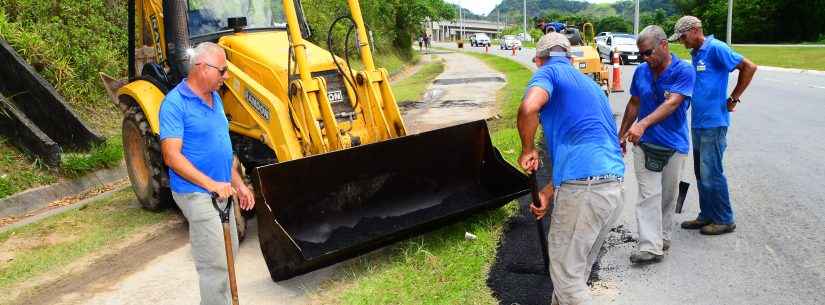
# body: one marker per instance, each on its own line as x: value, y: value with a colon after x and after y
x: 224, y: 214
x: 534, y: 190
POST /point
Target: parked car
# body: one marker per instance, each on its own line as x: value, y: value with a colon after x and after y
x: 508, y: 42
x: 480, y: 40
x: 621, y: 43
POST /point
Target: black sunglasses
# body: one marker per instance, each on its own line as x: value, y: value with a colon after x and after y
x: 222, y: 71
x: 645, y: 53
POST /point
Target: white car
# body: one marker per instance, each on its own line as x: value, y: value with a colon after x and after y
x: 618, y: 43
x: 508, y: 42
x: 480, y: 40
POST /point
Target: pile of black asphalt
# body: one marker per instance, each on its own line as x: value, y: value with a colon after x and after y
x: 518, y: 275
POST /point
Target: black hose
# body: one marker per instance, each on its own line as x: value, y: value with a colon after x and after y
x: 349, y: 78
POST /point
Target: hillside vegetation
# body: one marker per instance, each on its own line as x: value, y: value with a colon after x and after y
x: 754, y: 21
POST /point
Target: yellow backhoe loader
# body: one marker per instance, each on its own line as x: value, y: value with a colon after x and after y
x: 324, y: 146
x: 585, y: 56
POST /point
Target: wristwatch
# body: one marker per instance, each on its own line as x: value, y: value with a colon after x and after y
x: 732, y: 103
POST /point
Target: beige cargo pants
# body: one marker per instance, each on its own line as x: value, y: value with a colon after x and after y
x: 208, y: 252
x: 583, y: 213
x: 657, y: 200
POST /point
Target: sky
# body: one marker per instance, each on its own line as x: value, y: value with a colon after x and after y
x: 482, y: 7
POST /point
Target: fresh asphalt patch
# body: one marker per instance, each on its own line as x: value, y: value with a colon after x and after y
x: 518, y: 275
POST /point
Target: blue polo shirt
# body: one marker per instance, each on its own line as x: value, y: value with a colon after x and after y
x: 713, y: 62
x: 678, y: 77
x: 578, y: 124
x: 205, y: 134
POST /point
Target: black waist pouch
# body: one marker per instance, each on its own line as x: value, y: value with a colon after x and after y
x: 656, y: 156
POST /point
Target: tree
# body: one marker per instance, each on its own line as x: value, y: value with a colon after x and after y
x: 613, y: 24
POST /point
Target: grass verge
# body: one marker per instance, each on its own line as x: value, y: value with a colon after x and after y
x: 107, y: 154
x: 55, y: 242
x: 441, y: 267
x: 808, y: 58
x: 18, y: 172
x: 412, y: 88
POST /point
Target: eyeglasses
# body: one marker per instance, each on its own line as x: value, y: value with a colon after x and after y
x: 645, y: 53
x: 221, y: 70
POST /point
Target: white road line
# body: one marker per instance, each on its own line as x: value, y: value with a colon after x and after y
x: 815, y: 86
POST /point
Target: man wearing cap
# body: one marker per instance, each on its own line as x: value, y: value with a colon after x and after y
x: 655, y: 121
x: 713, y: 61
x: 587, y: 168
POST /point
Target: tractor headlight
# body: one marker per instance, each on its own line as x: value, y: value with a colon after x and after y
x: 582, y: 65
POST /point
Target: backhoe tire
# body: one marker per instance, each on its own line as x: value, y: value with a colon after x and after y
x: 144, y: 162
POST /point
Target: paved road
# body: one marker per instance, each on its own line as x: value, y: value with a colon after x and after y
x: 775, y: 168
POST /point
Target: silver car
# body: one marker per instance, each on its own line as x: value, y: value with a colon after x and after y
x: 508, y: 42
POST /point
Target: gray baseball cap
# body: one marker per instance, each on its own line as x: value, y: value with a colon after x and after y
x: 684, y: 24
x: 549, y: 41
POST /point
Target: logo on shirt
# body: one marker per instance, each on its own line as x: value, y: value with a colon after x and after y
x: 257, y: 105
x: 700, y: 66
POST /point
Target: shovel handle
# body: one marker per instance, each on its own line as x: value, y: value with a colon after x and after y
x: 227, y: 243
x: 224, y: 214
x: 534, y: 190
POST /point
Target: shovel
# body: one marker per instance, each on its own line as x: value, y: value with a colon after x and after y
x: 680, y: 201
x: 534, y: 189
x: 227, y: 241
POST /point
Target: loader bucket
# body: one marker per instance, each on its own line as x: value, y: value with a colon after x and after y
x: 327, y: 208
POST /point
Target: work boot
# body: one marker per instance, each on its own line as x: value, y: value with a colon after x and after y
x: 717, y: 229
x: 644, y: 257
x: 665, y: 244
x: 695, y: 224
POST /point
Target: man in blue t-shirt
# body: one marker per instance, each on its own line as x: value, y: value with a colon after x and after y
x: 587, y: 165
x: 655, y: 121
x: 713, y: 61
x: 194, y: 136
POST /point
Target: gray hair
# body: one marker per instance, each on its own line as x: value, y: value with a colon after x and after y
x: 652, y: 32
x: 197, y: 54
x: 546, y: 52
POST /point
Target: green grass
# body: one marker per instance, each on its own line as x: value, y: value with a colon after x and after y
x: 57, y: 241
x: 18, y: 172
x: 440, y: 267
x: 791, y: 57
x: 413, y: 87
x: 107, y: 154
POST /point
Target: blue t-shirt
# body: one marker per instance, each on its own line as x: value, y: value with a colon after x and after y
x: 678, y: 78
x: 204, y: 132
x: 713, y: 61
x: 578, y: 124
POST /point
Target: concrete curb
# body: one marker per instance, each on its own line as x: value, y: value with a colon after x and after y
x: 34, y: 199
x: 790, y: 70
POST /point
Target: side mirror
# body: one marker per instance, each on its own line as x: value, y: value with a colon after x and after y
x: 237, y: 24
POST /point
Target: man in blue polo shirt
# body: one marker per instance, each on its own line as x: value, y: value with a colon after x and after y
x: 710, y: 118
x: 587, y: 165
x: 655, y: 121
x: 195, y: 143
